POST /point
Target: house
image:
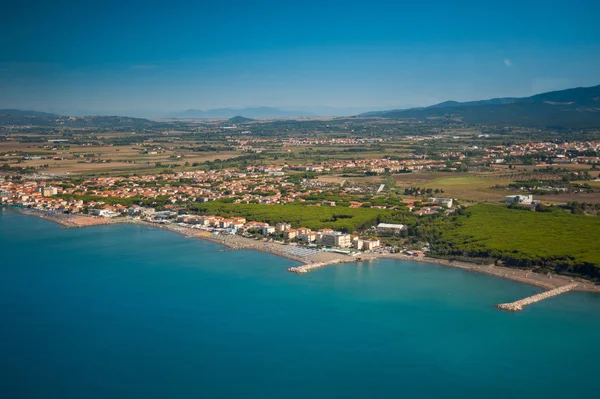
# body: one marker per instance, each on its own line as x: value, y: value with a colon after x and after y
x: 237, y: 224
x: 303, y: 231
x: 163, y: 215
x: 369, y: 245
x: 336, y: 239
x: 290, y: 234
x: 428, y: 210
x: 267, y: 230
x: 446, y: 202
x: 364, y: 244
x: 283, y: 226
x: 105, y: 213
x: 225, y: 223
x: 309, y: 237
x: 357, y: 243
x: 47, y: 191
x: 134, y: 210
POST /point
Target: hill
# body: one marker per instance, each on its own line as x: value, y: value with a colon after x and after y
x: 36, y: 118
x: 573, y: 108
x: 239, y: 119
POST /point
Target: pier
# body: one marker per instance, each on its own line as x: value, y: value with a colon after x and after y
x: 309, y: 267
x: 519, y: 305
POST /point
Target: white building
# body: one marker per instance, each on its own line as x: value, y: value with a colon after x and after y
x: 336, y: 239
x: 446, y: 202
x: 519, y: 199
x: 391, y: 227
x: 365, y: 245
x: 47, y: 191
x: 283, y: 226
x: 105, y: 213
x: 369, y: 245
x: 267, y: 230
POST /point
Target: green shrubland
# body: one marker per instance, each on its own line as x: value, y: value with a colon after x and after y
x: 554, y: 240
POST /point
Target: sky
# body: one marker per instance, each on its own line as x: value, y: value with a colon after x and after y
x: 153, y: 58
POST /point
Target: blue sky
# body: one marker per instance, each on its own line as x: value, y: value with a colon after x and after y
x: 152, y: 58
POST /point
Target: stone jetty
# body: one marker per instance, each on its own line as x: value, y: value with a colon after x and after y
x: 310, y: 266
x: 519, y: 305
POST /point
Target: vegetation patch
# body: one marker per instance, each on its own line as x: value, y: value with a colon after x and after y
x: 555, y: 240
x: 312, y: 217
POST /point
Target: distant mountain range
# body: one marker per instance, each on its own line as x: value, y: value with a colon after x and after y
x: 19, y: 112
x: 577, y: 108
x: 572, y: 108
x: 254, y: 113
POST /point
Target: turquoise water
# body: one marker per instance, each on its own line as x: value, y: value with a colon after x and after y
x: 129, y: 311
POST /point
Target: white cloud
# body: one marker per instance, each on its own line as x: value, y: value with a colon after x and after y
x: 507, y: 62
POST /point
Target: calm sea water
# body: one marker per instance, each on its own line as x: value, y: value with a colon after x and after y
x: 130, y: 311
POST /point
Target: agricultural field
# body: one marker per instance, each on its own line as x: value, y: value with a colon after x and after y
x: 113, y: 159
x: 477, y: 187
x: 469, y: 188
x: 555, y: 240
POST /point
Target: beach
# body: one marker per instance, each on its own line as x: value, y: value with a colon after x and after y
x: 322, y: 259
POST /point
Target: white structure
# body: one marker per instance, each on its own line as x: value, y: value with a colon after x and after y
x: 447, y: 202
x: 369, y: 245
x: 519, y: 199
x: 267, y: 230
x: 47, y: 191
x: 391, y: 227
x: 336, y: 239
x: 283, y: 226
x: 105, y: 213
x: 365, y: 245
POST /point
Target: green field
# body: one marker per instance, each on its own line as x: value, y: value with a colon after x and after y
x: 469, y: 187
x: 555, y: 240
x: 313, y: 217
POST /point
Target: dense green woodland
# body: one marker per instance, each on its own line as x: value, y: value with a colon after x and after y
x: 557, y: 241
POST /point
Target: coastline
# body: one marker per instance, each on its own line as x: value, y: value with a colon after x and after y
x: 508, y: 273
x: 321, y: 259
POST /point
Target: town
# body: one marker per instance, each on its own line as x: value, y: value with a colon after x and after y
x: 315, y: 191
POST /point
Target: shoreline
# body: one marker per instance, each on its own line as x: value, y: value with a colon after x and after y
x: 322, y: 259
x: 513, y: 274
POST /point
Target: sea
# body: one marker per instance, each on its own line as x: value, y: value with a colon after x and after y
x: 128, y: 311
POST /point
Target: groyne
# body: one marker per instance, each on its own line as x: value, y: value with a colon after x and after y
x: 520, y: 304
x: 310, y: 266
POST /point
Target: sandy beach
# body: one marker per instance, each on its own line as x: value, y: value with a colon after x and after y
x: 235, y: 242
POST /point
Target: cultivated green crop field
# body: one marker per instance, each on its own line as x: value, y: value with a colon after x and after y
x: 525, y: 238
